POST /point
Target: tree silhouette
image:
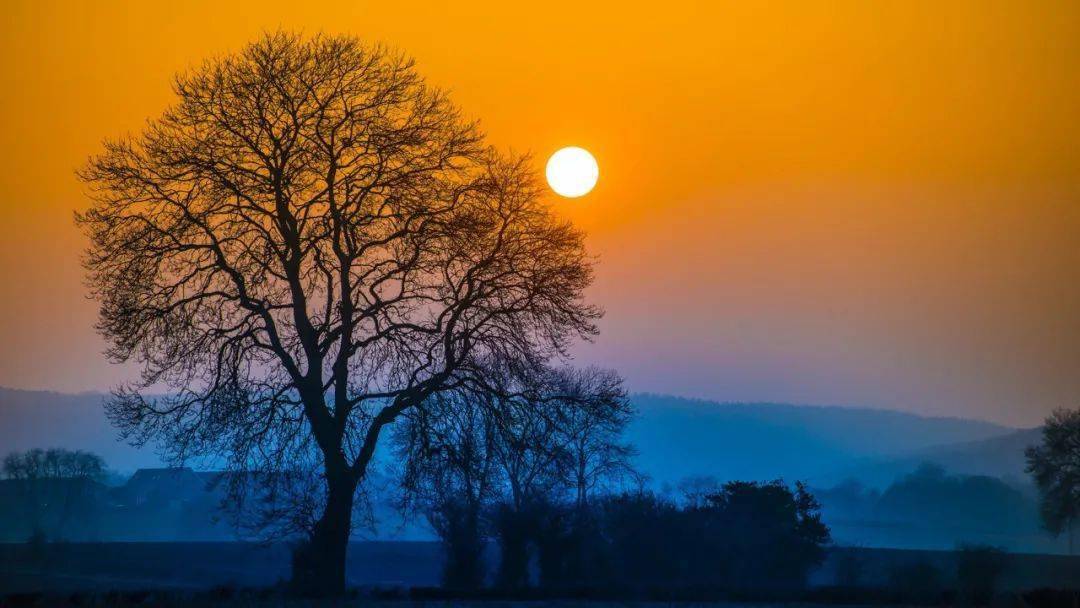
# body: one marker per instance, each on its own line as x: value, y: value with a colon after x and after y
x: 448, y: 475
x: 530, y: 460
x: 590, y: 414
x: 591, y: 429
x: 52, y: 478
x: 54, y: 463
x: 308, y: 244
x: 1055, y: 465
x: 507, y: 459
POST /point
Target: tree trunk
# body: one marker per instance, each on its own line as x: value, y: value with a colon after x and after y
x: 513, y: 538
x: 319, y: 564
x: 463, y: 545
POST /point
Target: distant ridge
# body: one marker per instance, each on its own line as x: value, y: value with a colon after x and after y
x: 1001, y: 456
x: 43, y: 419
x: 676, y: 437
x: 680, y: 437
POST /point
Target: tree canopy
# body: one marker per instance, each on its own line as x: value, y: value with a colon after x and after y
x: 1055, y: 465
x: 308, y: 243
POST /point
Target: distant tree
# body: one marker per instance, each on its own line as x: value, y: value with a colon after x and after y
x: 448, y: 457
x: 308, y: 244
x: 590, y: 417
x: 591, y: 426
x: 767, y: 533
x: 973, y: 502
x: 54, y: 463
x: 849, y: 499
x: 518, y: 460
x: 531, y: 460
x: 1055, y: 465
x: 52, y: 478
x: 744, y: 535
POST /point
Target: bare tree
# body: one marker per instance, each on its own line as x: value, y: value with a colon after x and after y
x: 449, y: 473
x: 530, y: 462
x: 53, y: 478
x: 308, y: 244
x: 526, y: 451
x: 591, y: 426
x: 557, y: 436
x: 529, y: 450
x: 54, y: 463
x: 1055, y: 465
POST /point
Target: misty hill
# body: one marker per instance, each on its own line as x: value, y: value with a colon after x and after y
x: 676, y: 437
x: 44, y: 419
x: 1000, y: 456
x: 680, y: 437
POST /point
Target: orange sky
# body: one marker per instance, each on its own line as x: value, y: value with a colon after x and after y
x: 856, y: 203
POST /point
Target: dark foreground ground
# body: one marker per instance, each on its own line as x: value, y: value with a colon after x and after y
x: 71, y: 567
x: 271, y: 599
x: 264, y: 600
x: 401, y: 574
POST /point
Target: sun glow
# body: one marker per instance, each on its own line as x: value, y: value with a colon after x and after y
x: 572, y: 172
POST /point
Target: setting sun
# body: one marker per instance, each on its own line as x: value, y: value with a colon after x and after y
x: 572, y: 172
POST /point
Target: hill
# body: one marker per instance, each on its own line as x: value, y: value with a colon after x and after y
x: 679, y: 437
x: 1000, y: 456
x: 44, y: 419
x: 676, y: 437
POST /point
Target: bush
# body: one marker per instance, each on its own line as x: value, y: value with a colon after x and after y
x: 743, y: 536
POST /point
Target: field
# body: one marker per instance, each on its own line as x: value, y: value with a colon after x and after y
x: 198, y: 566
x: 384, y: 569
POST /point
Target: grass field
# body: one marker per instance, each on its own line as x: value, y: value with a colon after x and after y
x: 396, y: 574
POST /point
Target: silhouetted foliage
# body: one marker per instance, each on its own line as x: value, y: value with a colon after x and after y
x: 449, y: 474
x: 551, y: 450
x: 513, y: 463
x: 54, y: 485
x: 589, y: 426
x: 746, y: 535
x: 960, y: 502
x: 519, y: 463
x: 1055, y: 465
x: 54, y: 463
x: 769, y: 533
x: 310, y: 243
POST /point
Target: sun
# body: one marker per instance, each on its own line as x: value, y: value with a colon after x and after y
x: 572, y: 172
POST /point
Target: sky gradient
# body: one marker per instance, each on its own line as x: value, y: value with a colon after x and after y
x: 863, y: 204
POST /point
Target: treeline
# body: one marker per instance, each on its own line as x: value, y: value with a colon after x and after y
x: 960, y: 503
x: 57, y: 495
x: 746, y: 535
x: 536, y: 467
x: 48, y: 488
x: 53, y: 463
